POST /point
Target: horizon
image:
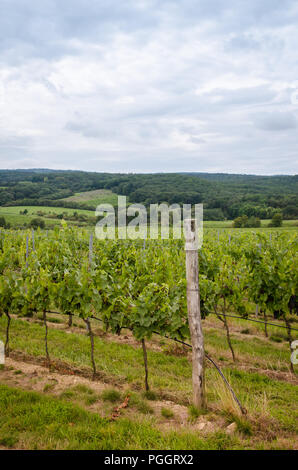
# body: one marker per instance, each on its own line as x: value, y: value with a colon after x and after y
x: 151, y: 172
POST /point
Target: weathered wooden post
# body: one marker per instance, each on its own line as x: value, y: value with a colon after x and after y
x: 90, y: 249
x: 27, y: 250
x: 194, y: 313
x: 33, y: 242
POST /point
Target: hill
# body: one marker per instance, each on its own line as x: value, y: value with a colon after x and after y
x: 225, y: 196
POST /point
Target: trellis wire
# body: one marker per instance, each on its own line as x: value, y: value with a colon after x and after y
x: 242, y: 409
x: 251, y: 319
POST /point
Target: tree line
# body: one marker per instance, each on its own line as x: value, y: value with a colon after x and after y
x: 223, y: 196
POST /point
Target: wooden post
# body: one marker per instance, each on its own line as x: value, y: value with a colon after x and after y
x: 90, y: 249
x: 194, y: 312
x: 33, y: 243
x: 27, y: 250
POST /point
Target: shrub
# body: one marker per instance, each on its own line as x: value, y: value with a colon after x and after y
x: 37, y: 223
x: 276, y: 220
x: 111, y: 395
x: 150, y: 395
x: 166, y: 413
x: 245, y: 222
x: 3, y: 222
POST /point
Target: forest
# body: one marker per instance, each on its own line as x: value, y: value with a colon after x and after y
x: 225, y: 196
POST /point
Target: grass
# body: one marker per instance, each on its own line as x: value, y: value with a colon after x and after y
x: 228, y: 224
x: 29, y: 420
x: 227, y: 402
x: 49, y: 387
x: 111, y: 395
x: 264, y: 352
x: 12, y: 214
x: 101, y: 196
x: 194, y: 412
x: 167, y: 413
x: 119, y: 362
x: 143, y: 407
x: 80, y: 394
x: 169, y: 377
x: 94, y: 198
x: 150, y: 395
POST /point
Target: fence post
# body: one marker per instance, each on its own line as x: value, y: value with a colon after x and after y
x: 257, y: 310
x: 194, y: 312
x: 27, y: 250
x: 90, y: 249
x: 33, y: 242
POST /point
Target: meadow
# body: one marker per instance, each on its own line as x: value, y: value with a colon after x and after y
x: 94, y: 198
x: 13, y: 216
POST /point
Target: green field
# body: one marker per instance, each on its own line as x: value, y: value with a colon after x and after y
x: 15, y: 219
x: 228, y: 224
x: 94, y: 198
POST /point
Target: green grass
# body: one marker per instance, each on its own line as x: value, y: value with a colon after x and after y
x: 111, y: 395
x: 167, y: 413
x: 94, y: 198
x: 251, y: 348
x: 193, y: 412
x: 80, y: 393
x: 257, y: 328
x: 120, y: 362
x: 282, y: 397
x: 12, y: 214
x: 228, y: 224
x: 30, y: 420
x: 150, y: 395
x: 169, y: 377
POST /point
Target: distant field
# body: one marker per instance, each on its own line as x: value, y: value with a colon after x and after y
x: 12, y: 214
x: 228, y: 224
x: 93, y: 198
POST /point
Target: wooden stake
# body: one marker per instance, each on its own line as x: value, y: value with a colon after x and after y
x: 90, y: 333
x: 194, y: 313
x: 27, y: 250
x: 48, y: 360
x: 145, y: 364
x: 90, y: 249
x: 6, y: 347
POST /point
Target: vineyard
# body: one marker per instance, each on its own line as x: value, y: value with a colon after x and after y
x: 137, y: 289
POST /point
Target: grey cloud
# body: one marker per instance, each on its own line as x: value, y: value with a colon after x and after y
x: 149, y: 85
x: 43, y: 28
x: 276, y: 121
x: 245, y: 96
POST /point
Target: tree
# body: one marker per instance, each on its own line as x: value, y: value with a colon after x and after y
x: 3, y: 222
x: 245, y: 222
x: 276, y: 220
x: 253, y: 222
x: 35, y: 223
x: 240, y: 222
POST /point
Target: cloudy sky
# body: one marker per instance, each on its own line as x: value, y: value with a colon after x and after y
x: 149, y: 85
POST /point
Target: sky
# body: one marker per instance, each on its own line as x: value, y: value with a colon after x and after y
x: 149, y: 85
